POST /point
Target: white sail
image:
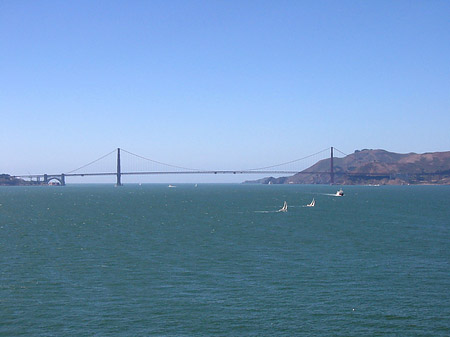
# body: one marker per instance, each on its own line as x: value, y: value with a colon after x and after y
x: 284, y: 208
x: 312, y: 204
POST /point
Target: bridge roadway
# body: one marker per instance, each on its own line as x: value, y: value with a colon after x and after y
x: 62, y: 177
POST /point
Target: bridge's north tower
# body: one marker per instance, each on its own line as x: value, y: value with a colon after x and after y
x: 331, y: 168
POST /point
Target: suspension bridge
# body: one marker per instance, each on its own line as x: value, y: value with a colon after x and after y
x: 128, y: 167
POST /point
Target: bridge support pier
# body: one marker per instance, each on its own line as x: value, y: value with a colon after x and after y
x: 48, y: 178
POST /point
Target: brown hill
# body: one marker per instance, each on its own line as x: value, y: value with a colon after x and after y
x: 375, y: 167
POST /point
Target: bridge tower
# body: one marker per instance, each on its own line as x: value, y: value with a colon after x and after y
x: 331, y: 168
x: 119, y: 174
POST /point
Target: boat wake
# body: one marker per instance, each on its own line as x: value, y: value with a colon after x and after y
x: 285, y: 207
x: 279, y: 211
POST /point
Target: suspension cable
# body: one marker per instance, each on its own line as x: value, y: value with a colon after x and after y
x: 340, y: 151
x: 289, y: 162
x: 158, y: 162
x: 191, y: 169
x: 92, y: 162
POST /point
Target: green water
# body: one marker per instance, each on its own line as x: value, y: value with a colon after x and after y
x: 219, y: 260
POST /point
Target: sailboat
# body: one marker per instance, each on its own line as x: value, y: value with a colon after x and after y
x: 339, y: 193
x: 312, y: 204
x: 284, y: 208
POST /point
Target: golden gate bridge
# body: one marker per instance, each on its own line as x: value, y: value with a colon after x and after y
x: 113, y: 164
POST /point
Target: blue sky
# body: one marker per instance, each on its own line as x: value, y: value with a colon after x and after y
x: 220, y: 84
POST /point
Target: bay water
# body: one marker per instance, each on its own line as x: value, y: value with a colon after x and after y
x: 212, y: 259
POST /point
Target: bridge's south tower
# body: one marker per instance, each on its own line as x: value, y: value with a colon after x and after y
x: 119, y: 174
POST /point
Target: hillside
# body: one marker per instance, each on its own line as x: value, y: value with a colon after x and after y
x: 375, y: 167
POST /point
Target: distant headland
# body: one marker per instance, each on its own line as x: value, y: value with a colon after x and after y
x: 374, y: 167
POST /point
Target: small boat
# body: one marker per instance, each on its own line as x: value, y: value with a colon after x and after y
x: 312, y: 204
x: 340, y: 193
x: 284, y: 208
x: 171, y: 186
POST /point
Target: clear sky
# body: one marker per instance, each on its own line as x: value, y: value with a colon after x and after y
x: 220, y: 84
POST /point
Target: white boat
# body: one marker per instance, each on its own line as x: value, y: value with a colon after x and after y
x: 312, y: 204
x: 340, y: 193
x: 284, y: 208
x: 171, y: 186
